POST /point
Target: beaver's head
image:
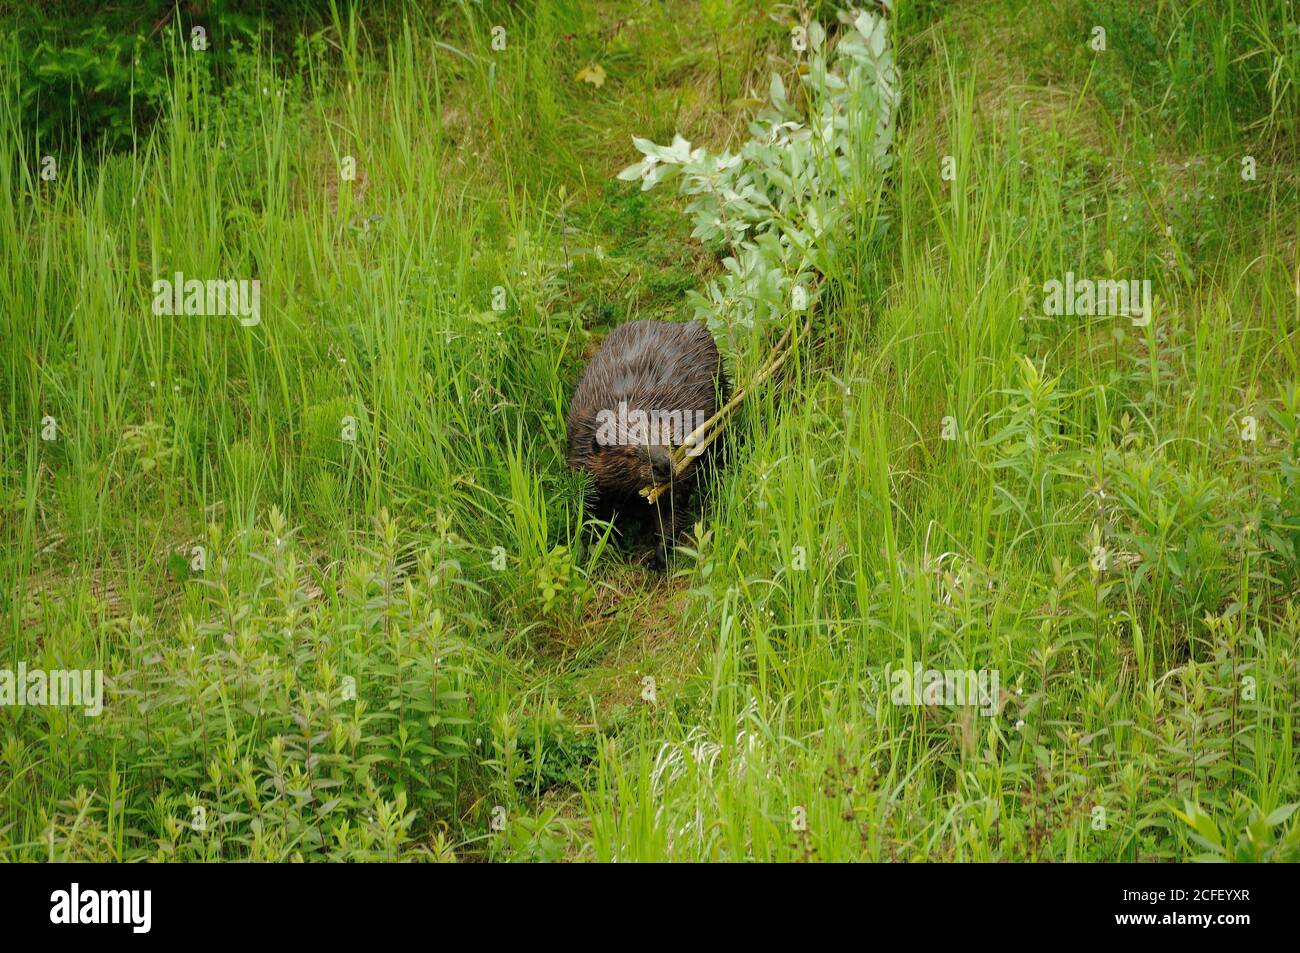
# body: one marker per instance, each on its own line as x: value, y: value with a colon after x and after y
x: 625, y: 450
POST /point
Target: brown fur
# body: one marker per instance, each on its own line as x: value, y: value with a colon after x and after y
x: 651, y: 366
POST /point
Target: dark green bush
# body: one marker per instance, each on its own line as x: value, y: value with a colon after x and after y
x: 98, y: 76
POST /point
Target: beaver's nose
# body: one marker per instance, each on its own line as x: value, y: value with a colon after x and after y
x: 661, y: 464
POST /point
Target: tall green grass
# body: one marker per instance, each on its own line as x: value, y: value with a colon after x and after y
x: 405, y: 646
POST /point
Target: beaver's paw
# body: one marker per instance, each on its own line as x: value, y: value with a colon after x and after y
x: 658, y: 560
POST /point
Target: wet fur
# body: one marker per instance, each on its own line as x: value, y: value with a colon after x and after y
x: 651, y: 365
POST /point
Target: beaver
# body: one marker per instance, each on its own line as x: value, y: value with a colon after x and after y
x: 648, y: 386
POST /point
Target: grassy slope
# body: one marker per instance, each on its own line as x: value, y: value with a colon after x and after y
x: 522, y: 688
